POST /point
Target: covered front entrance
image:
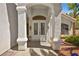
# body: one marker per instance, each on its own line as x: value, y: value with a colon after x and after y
x: 38, y: 31
x: 38, y: 23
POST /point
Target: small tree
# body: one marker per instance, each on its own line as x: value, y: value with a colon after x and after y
x: 74, y: 7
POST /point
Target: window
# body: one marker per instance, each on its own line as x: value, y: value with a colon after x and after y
x: 39, y: 17
x: 64, y: 29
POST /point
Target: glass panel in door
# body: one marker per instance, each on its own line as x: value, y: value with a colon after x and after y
x: 42, y: 28
x: 35, y: 28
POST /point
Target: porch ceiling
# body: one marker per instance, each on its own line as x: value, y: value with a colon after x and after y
x: 39, y: 9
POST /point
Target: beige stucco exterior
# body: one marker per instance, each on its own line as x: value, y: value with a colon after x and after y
x: 69, y: 21
x: 8, y: 26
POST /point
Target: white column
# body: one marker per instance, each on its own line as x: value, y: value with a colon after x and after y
x: 57, y: 33
x: 22, y: 28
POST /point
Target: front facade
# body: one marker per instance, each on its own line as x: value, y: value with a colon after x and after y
x: 43, y: 23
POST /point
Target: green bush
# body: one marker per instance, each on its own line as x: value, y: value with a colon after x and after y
x: 72, y: 39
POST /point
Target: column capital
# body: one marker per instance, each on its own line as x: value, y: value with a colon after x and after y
x: 21, y: 8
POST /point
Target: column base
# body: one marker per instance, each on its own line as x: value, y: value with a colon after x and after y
x: 56, y: 45
x: 22, y: 43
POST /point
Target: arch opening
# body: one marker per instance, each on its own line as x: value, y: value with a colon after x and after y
x: 39, y: 17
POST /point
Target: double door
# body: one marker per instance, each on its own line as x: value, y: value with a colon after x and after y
x: 39, y: 30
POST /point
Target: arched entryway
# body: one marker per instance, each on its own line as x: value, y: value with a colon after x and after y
x: 39, y: 18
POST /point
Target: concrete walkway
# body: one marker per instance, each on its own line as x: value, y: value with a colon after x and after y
x: 35, y: 48
x: 45, y: 51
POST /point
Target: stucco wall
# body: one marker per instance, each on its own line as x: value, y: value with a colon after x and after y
x: 4, y: 29
x: 57, y: 8
x: 69, y: 23
x: 13, y: 21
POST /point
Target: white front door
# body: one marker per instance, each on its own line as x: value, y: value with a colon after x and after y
x: 39, y: 30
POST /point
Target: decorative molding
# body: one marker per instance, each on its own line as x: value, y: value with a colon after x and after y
x: 21, y: 8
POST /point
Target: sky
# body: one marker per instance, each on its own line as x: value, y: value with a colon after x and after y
x: 65, y: 7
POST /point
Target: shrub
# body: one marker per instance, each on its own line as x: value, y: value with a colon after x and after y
x: 72, y: 39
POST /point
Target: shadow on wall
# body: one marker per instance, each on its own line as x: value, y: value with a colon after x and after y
x: 13, y: 22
